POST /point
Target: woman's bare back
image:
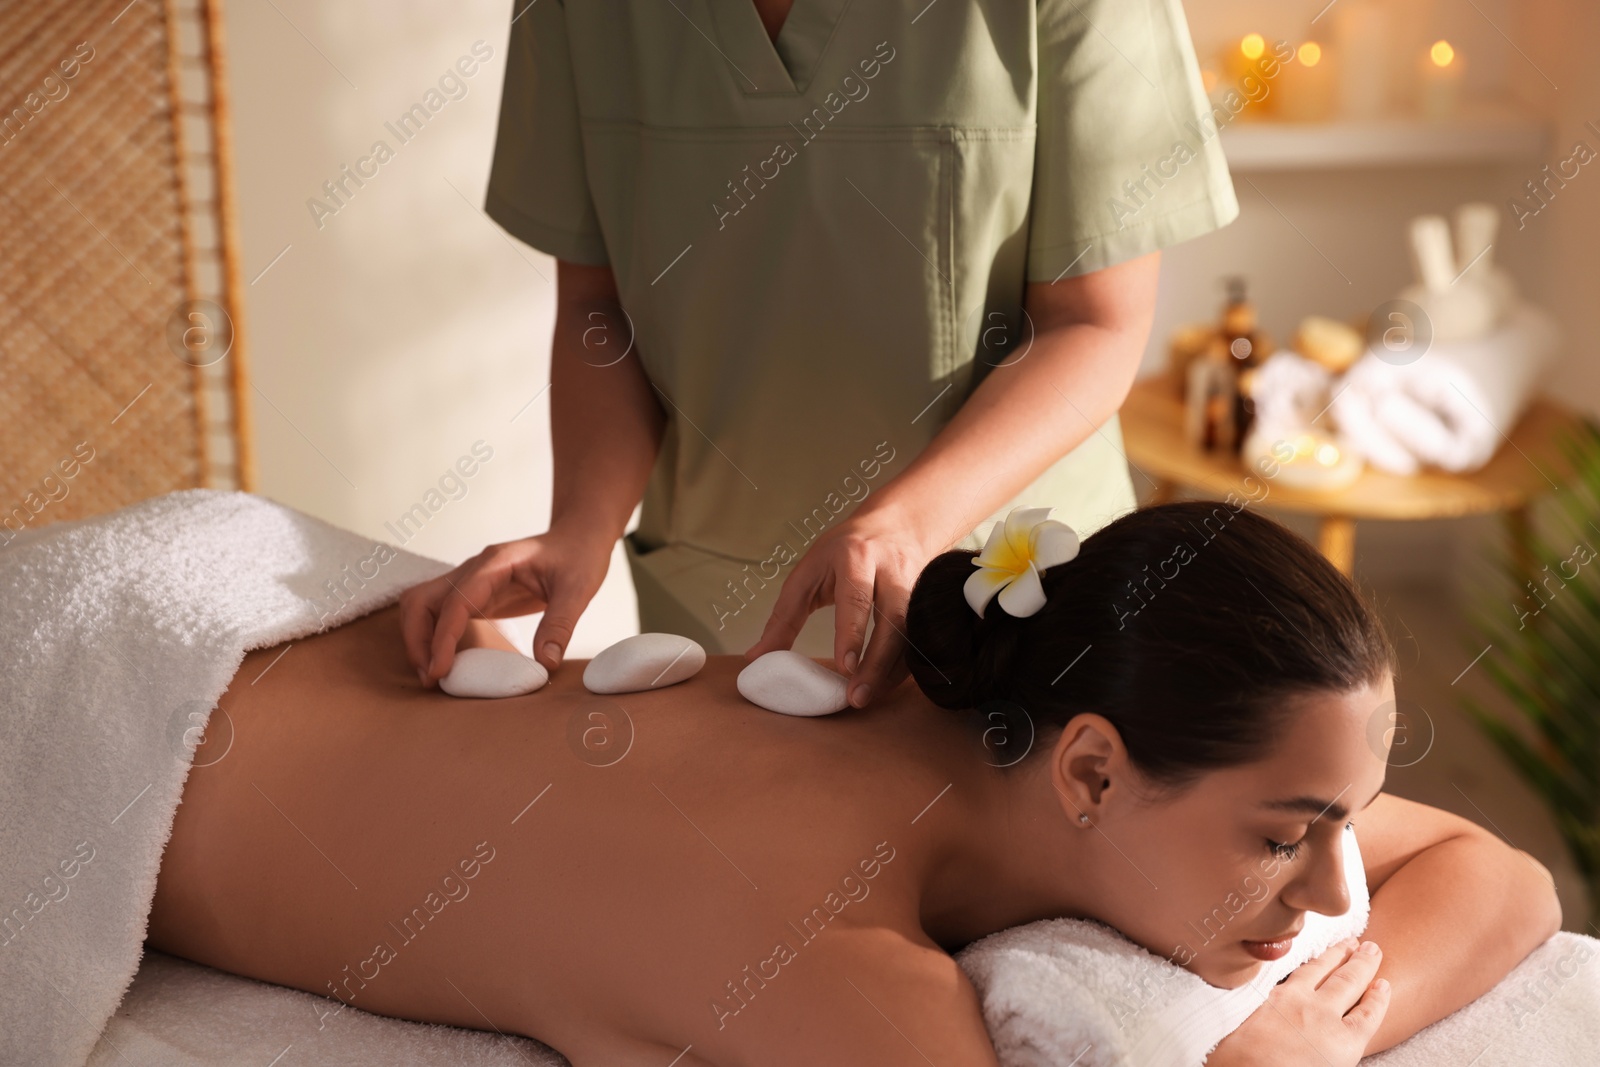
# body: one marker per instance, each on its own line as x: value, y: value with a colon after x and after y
x: 621, y: 877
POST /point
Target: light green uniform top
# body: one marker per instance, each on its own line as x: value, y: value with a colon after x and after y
x: 822, y: 245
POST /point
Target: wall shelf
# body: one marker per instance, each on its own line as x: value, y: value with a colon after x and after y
x: 1482, y: 135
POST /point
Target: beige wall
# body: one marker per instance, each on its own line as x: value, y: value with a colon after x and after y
x: 408, y: 326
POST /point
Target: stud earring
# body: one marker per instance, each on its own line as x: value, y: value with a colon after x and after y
x: 1083, y: 818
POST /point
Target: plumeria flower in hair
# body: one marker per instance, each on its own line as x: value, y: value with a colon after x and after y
x: 1018, y: 551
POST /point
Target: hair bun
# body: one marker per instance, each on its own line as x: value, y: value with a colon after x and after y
x: 941, y: 637
x: 1188, y: 687
x: 957, y: 659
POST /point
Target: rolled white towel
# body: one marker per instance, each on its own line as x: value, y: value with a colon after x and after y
x: 1072, y: 991
x: 1359, y: 426
x: 1450, y: 407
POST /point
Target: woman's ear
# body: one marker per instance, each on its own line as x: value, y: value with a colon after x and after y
x: 1086, y: 765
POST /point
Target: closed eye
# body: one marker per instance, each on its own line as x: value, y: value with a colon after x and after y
x: 1283, y: 851
x: 1292, y: 849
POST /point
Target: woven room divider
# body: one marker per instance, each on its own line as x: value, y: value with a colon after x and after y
x: 122, y: 361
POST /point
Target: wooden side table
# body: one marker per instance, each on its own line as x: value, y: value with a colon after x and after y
x: 1528, y: 464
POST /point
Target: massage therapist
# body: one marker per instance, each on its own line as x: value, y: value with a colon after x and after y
x: 837, y: 286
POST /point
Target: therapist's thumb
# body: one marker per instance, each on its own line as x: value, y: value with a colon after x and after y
x: 555, y: 628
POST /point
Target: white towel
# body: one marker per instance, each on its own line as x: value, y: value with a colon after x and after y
x: 118, y: 634
x: 1070, y: 991
x: 1545, y: 1013
x: 1450, y: 407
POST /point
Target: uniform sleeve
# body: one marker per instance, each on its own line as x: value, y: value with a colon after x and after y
x: 538, y: 186
x: 1127, y: 159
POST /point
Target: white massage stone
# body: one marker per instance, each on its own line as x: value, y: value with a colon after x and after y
x: 787, y: 682
x: 644, y: 661
x: 492, y: 674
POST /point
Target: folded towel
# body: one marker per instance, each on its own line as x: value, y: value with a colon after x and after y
x: 119, y: 633
x: 1450, y: 407
x: 1070, y: 991
x: 1545, y: 1012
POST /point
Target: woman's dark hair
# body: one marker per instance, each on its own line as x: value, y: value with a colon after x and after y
x: 1190, y: 626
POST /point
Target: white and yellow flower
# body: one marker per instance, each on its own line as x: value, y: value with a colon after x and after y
x: 1018, y: 551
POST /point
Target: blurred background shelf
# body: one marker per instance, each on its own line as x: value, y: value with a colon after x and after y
x: 1486, y: 134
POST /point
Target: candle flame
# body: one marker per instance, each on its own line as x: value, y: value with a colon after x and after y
x: 1442, y: 53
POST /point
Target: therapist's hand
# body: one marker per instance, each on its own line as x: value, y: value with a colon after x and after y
x: 1089, y: 332
x: 557, y: 572
x: 865, y: 567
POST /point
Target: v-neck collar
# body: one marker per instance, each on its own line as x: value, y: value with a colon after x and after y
x: 762, y: 67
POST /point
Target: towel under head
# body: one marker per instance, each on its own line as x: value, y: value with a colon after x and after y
x: 1076, y: 991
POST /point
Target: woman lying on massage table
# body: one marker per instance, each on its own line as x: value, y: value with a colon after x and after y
x: 678, y: 873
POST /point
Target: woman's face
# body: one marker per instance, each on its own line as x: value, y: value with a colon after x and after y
x: 1219, y: 877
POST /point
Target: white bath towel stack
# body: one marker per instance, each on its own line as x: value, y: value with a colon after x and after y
x: 1453, y: 406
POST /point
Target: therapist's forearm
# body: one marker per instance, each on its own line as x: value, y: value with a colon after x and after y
x: 605, y: 420
x: 1023, y: 417
x: 1452, y: 922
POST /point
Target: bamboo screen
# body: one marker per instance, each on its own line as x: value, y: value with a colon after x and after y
x: 121, y: 335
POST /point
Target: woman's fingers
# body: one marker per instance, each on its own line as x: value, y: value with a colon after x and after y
x: 1350, y: 979
x: 1323, y: 1015
x: 1313, y: 971
x: 1365, y: 1018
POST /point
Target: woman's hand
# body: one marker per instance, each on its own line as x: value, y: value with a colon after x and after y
x: 1322, y: 1015
x: 864, y: 566
x: 557, y: 572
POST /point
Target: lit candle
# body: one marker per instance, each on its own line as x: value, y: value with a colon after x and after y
x: 1245, y: 78
x: 1316, y: 462
x: 1306, y: 85
x: 1439, y: 80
